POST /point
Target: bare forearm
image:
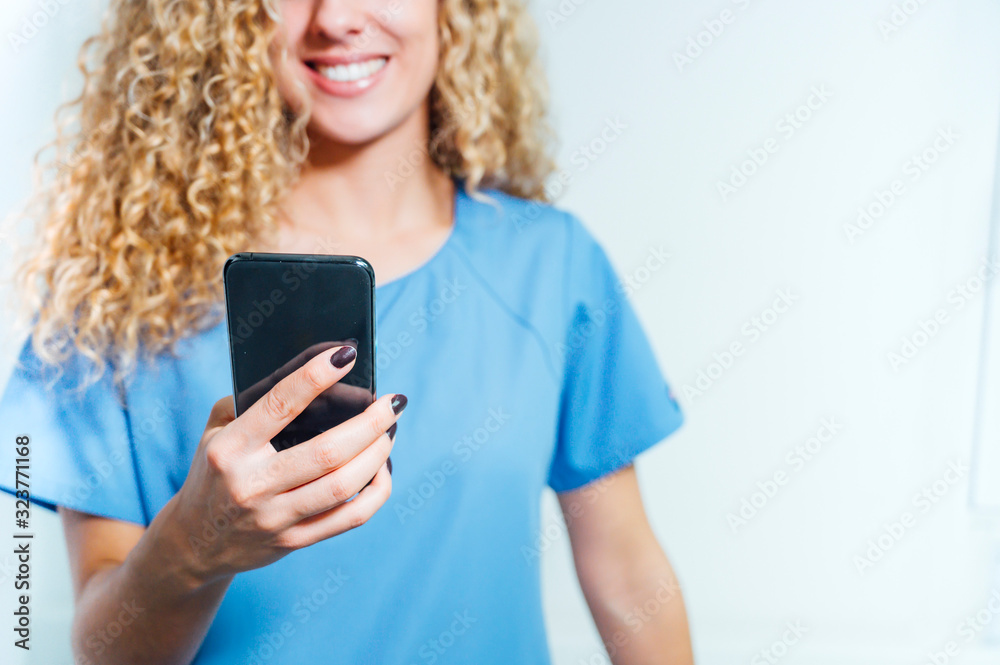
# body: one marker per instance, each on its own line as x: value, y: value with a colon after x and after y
x: 625, y: 575
x: 149, y: 609
x: 642, y: 618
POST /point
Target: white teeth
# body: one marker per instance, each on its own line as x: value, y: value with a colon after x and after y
x: 352, y: 72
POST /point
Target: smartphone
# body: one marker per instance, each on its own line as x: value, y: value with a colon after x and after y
x: 282, y: 310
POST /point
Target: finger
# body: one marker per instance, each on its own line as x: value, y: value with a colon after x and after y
x: 223, y: 412
x: 303, y: 357
x: 388, y: 465
x: 344, y: 517
x: 337, y: 486
x: 254, y: 392
x: 331, y: 449
x: 281, y: 404
x: 341, y: 396
x: 353, y: 396
x: 335, y: 405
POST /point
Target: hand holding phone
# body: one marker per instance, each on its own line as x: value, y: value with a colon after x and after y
x: 271, y: 503
x: 334, y: 405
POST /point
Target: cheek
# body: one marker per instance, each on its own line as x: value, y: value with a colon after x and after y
x: 283, y: 58
x: 285, y: 76
x: 294, y: 14
x: 416, y: 28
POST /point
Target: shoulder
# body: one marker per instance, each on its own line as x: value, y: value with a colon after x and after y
x: 29, y: 366
x: 538, y: 258
x: 71, y: 377
x: 499, y: 223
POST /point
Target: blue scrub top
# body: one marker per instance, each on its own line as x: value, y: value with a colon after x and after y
x: 525, y: 366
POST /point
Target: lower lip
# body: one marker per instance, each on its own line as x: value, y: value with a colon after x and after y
x: 346, y: 88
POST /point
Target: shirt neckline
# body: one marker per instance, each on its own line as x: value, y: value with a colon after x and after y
x: 459, y: 203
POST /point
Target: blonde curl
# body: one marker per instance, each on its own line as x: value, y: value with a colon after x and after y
x: 182, y: 148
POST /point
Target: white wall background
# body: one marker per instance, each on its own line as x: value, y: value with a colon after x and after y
x: 827, y: 356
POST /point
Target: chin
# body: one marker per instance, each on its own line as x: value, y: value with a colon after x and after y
x: 346, y: 132
x: 355, y: 126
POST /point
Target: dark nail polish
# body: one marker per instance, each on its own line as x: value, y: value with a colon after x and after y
x: 392, y: 430
x: 343, y: 356
x: 398, y: 403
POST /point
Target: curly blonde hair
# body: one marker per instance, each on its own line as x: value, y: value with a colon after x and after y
x: 183, y: 147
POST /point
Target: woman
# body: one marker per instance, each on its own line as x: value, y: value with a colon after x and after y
x: 410, y: 132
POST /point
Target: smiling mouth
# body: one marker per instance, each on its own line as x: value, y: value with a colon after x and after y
x: 348, y: 73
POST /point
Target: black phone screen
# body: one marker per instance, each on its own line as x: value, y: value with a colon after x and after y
x: 282, y: 310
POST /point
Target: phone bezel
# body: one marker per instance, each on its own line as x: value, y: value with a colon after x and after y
x: 278, y: 257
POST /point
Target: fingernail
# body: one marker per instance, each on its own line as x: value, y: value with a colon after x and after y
x: 392, y: 430
x: 343, y: 355
x: 388, y: 464
x: 398, y: 403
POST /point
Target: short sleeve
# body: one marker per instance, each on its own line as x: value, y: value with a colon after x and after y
x: 615, y: 400
x: 79, y: 449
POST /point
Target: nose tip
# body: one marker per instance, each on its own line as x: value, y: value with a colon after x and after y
x: 336, y: 21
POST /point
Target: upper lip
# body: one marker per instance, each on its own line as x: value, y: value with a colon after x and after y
x: 346, y: 59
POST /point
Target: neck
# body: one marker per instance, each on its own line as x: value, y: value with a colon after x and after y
x: 370, y: 191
